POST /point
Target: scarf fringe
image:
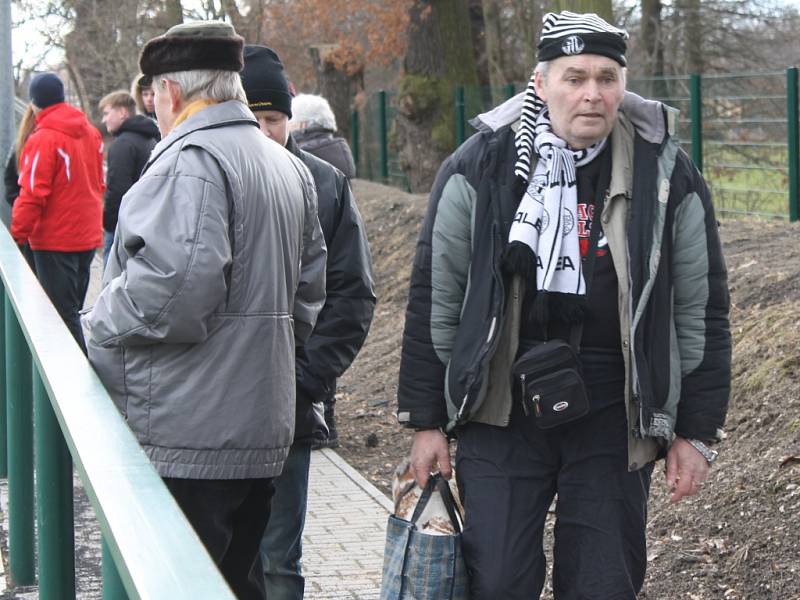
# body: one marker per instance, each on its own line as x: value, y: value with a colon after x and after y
x: 519, y: 259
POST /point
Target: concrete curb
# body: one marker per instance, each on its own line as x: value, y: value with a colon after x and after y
x: 358, y: 479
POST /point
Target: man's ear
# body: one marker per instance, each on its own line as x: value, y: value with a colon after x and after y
x: 175, y: 96
x: 538, y: 85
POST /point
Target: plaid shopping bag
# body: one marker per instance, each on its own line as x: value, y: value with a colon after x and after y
x: 421, y: 566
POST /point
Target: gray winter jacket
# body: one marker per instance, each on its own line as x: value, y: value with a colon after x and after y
x: 218, y: 265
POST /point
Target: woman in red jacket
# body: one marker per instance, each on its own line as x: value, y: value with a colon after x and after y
x: 59, y: 208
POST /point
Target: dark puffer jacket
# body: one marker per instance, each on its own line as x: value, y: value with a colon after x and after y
x: 127, y: 156
x: 344, y: 321
x: 322, y: 144
x: 462, y: 322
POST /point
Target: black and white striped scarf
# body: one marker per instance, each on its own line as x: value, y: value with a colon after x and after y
x: 545, y: 221
x: 546, y: 218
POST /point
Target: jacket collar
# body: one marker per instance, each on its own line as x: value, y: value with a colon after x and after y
x: 219, y: 115
x: 653, y: 120
x: 622, y: 158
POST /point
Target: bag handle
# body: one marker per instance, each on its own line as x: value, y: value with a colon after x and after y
x: 436, y: 480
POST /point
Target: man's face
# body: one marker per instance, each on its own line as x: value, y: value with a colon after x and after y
x: 114, y: 117
x: 583, y: 94
x: 274, y: 125
x: 148, y: 99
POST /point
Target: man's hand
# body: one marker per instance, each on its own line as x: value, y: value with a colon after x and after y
x: 687, y: 469
x: 430, y: 448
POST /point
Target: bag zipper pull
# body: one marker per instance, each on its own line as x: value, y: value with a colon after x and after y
x: 524, y: 404
x: 536, y: 406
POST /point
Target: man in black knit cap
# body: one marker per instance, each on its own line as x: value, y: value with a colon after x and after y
x: 340, y: 331
x: 568, y: 321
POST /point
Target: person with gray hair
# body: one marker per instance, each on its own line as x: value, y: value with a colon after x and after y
x: 568, y: 322
x: 313, y: 127
x: 217, y: 270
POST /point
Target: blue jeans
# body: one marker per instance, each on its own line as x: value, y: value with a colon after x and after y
x: 282, y: 543
x: 108, y: 240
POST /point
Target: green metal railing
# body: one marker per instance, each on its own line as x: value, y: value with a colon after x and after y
x: 740, y: 129
x: 53, y: 397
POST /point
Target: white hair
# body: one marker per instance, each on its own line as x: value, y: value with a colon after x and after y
x: 206, y: 84
x: 309, y: 110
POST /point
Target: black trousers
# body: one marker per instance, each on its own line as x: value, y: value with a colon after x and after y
x: 64, y: 276
x: 508, y: 478
x: 229, y: 516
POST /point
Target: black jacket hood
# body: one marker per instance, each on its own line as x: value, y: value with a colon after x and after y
x: 140, y: 124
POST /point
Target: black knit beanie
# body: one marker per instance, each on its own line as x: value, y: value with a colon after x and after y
x: 264, y: 81
x: 45, y: 90
x: 567, y: 33
x: 211, y: 45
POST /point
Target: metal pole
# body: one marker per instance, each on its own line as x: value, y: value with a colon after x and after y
x: 511, y: 90
x: 384, y: 133
x: 3, y: 415
x: 460, y: 116
x: 696, y: 93
x: 6, y: 82
x: 112, y: 583
x: 793, y: 141
x: 53, y: 500
x: 20, y: 452
x: 354, y: 137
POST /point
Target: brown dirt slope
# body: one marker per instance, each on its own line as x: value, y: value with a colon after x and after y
x: 739, y: 538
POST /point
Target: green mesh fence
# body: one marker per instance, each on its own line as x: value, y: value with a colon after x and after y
x: 741, y: 139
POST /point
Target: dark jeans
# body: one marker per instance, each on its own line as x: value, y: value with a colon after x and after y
x: 282, y: 544
x: 64, y: 276
x: 508, y: 478
x: 229, y: 516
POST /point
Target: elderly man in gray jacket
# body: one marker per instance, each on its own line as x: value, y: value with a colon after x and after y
x: 217, y: 270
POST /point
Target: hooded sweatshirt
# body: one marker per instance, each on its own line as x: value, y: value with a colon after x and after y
x: 60, y: 204
x: 127, y: 156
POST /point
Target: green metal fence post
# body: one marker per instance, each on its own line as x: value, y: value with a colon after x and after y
x: 53, y: 500
x: 384, y: 133
x: 511, y: 90
x: 20, y: 451
x: 354, y: 138
x: 112, y: 583
x: 696, y: 100
x: 461, y: 116
x: 3, y: 419
x: 793, y: 142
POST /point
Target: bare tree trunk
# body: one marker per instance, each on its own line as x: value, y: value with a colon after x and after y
x: 493, y: 34
x: 601, y: 7
x: 337, y: 84
x: 439, y: 57
x: 654, y: 46
x: 694, y: 35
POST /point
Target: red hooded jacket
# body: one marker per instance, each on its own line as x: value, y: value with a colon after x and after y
x: 60, y: 204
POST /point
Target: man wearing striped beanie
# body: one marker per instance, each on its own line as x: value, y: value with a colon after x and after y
x: 568, y: 322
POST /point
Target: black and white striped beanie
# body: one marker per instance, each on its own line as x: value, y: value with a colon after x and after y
x: 564, y: 34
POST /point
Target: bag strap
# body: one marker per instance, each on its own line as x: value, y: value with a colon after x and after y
x: 449, y: 503
x: 438, y: 482
x: 427, y: 492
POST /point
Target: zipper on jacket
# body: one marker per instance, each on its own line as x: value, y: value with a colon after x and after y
x: 491, y: 339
